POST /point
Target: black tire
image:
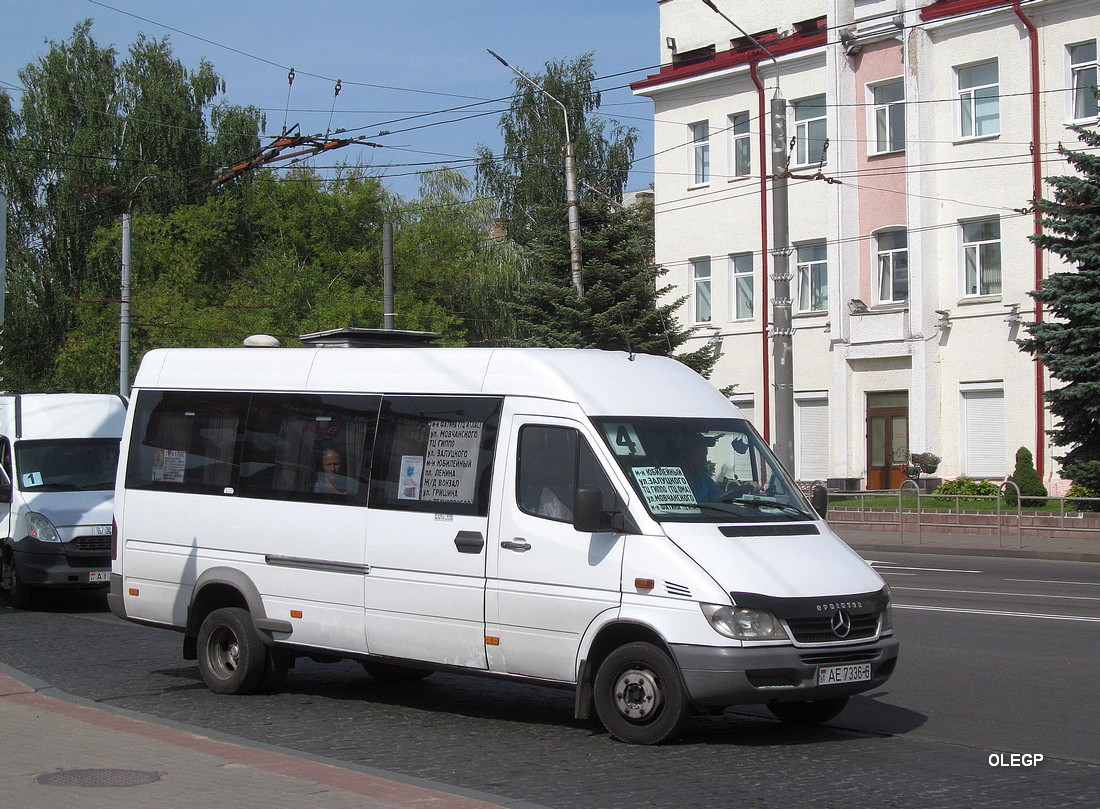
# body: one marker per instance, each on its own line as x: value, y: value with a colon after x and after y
x: 640, y: 696
x: 232, y: 657
x: 815, y: 712
x: 21, y: 594
x: 393, y: 673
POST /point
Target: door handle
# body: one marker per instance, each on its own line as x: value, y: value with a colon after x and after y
x: 517, y: 544
x: 469, y: 542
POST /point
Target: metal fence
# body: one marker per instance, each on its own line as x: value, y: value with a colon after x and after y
x: 914, y: 513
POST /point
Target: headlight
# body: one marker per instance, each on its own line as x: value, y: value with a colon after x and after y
x: 39, y: 527
x: 744, y: 624
x: 887, y: 623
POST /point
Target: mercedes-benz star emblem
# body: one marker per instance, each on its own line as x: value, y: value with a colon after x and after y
x: 841, y: 624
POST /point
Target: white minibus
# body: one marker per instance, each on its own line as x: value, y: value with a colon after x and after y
x: 58, y: 456
x: 594, y: 520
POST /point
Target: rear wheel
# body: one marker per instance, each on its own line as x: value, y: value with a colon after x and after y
x: 232, y: 657
x: 640, y: 695
x: 393, y: 673
x: 814, y: 712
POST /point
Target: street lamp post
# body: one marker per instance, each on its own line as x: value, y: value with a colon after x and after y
x: 572, y: 204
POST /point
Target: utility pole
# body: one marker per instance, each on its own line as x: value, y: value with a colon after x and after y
x: 782, y: 328
x: 3, y: 265
x: 387, y: 276
x: 571, y: 201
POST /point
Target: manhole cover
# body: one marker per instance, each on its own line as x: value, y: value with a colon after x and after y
x: 97, y: 778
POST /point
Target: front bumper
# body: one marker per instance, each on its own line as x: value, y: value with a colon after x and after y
x: 61, y: 564
x: 718, y: 676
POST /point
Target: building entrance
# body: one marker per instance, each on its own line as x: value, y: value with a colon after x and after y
x: 887, y: 439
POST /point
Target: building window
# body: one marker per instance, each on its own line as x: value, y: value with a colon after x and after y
x: 701, y: 268
x: 983, y: 423
x: 810, y: 135
x: 981, y: 244
x: 813, y: 277
x: 892, y: 248
x: 889, y: 117
x: 740, y: 145
x: 741, y: 286
x: 812, y: 426
x: 979, y: 100
x: 700, y: 138
x: 1082, y: 60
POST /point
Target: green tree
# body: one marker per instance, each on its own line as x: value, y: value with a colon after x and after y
x: 623, y: 306
x: 1068, y: 343
x: 91, y: 131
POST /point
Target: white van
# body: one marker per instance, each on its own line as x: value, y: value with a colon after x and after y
x: 58, y: 456
x: 586, y: 519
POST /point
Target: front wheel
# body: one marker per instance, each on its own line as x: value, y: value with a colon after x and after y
x: 640, y: 696
x: 815, y: 712
x: 21, y: 594
x: 232, y: 657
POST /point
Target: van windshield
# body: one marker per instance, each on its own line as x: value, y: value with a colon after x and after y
x: 66, y: 465
x: 703, y: 470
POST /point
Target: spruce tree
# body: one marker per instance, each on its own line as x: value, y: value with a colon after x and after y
x: 1068, y: 342
x: 1032, y: 491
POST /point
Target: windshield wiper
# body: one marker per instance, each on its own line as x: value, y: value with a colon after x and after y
x: 758, y: 502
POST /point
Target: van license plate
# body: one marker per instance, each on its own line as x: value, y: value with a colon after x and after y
x: 99, y: 575
x: 833, y: 675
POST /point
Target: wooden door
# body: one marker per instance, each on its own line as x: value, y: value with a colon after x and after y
x: 887, y: 439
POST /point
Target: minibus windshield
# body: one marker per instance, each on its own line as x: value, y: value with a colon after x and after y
x: 66, y: 465
x: 703, y: 470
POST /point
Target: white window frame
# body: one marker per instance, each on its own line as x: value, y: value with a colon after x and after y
x: 979, y: 254
x: 811, y: 125
x: 971, y: 110
x: 742, y: 286
x: 808, y: 269
x: 1082, y: 96
x: 887, y: 119
x: 740, y: 140
x: 702, y: 301
x: 746, y: 403
x: 887, y: 260
x: 700, y: 152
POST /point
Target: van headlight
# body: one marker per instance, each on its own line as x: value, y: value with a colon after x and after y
x: 39, y: 527
x: 744, y: 624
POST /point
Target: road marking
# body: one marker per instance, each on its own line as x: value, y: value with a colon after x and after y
x: 999, y: 612
x: 989, y: 593
x: 1056, y: 581
x: 892, y: 567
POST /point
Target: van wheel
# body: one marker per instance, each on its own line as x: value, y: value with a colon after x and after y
x: 232, y: 658
x: 814, y: 712
x: 21, y: 594
x: 393, y: 673
x: 640, y: 695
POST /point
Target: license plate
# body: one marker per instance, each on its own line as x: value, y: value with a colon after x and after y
x: 99, y: 575
x: 834, y: 675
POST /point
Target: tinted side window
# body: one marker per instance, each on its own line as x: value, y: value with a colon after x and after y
x: 186, y: 441
x: 435, y: 454
x: 553, y: 462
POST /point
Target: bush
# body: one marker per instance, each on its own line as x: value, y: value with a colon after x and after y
x: 1077, y: 490
x: 967, y: 487
x: 1032, y: 491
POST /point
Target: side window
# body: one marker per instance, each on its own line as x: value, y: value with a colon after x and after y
x: 5, y: 461
x: 309, y: 447
x: 186, y: 441
x: 435, y: 454
x: 552, y: 463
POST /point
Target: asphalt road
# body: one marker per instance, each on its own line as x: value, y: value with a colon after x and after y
x: 998, y: 660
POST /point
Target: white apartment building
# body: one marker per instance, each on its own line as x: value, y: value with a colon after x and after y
x: 919, y: 131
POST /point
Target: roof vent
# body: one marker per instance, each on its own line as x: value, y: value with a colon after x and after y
x: 262, y: 341
x: 354, y: 337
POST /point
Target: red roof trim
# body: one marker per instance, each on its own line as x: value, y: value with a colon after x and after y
x: 777, y: 46
x: 949, y: 8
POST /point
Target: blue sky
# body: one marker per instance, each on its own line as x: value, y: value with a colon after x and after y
x: 394, y: 59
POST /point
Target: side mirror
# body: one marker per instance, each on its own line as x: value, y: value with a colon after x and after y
x: 5, y: 487
x: 819, y: 499
x: 588, y: 509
